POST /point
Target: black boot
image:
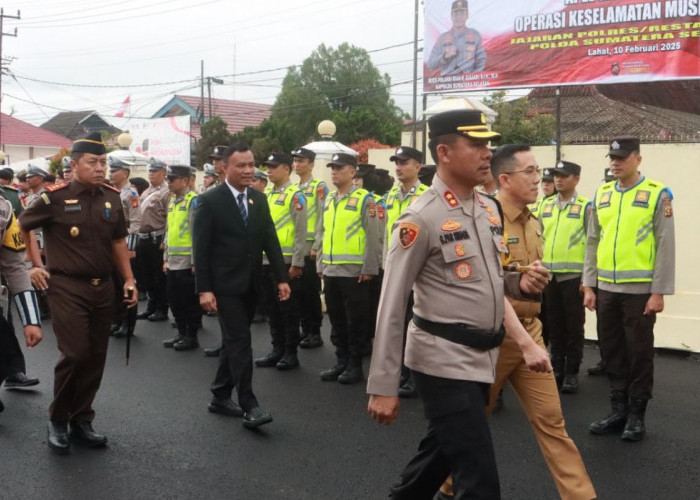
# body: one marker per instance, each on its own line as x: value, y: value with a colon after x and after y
x: 311, y: 341
x: 213, y: 352
x: 150, y: 309
x: 177, y: 338
x: 270, y: 359
x: 634, y: 428
x: 288, y: 362
x: 121, y: 331
x: 353, y: 373
x: 332, y: 374
x: 597, y: 369
x: 189, y: 340
x: 57, y: 438
x: 570, y: 385
x: 614, y: 422
x: 84, y: 434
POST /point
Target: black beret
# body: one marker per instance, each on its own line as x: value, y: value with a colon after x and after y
x: 342, y: 159
x: 91, y: 143
x: 466, y: 122
x: 218, y: 153
x: 407, y: 153
x: 179, y: 171
x: 304, y: 153
x: 622, y: 146
x: 276, y: 159
x: 567, y: 168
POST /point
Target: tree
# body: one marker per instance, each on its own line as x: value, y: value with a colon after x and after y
x: 214, y: 134
x: 340, y: 84
x: 362, y: 147
x: 514, y: 124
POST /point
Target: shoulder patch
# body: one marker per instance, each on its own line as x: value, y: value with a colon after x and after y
x: 408, y: 233
x: 105, y: 185
x: 298, y: 201
x: 55, y: 187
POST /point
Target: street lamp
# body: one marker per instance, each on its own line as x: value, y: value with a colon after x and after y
x: 326, y: 129
x: 124, y: 140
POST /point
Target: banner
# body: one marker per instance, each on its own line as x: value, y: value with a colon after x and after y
x: 488, y: 44
x: 167, y: 139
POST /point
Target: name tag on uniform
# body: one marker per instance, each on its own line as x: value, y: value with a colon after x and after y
x: 351, y: 205
x: 605, y: 199
x: 280, y: 199
x: 641, y: 199
x: 454, y: 236
x: 574, y: 212
x: 72, y: 208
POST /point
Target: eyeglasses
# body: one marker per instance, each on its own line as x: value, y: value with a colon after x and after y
x: 529, y: 171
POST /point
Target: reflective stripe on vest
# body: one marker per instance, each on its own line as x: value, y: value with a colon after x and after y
x: 179, y: 231
x: 395, y: 207
x: 343, y: 233
x: 627, y: 246
x: 281, y: 211
x: 564, y: 235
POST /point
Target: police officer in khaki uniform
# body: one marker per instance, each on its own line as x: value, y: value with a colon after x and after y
x: 447, y: 247
x: 517, y: 174
x: 288, y: 210
x: 119, y: 171
x: 630, y: 256
x: 349, y: 260
x: 315, y: 191
x: 149, y: 249
x: 85, y: 234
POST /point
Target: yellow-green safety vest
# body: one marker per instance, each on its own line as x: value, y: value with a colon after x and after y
x: 535, y: 207
x: 310, y: 192
x: 564, y: 234
x: 179, y: 230
x: 281, y: 211
x: 343, y: 234
x: 627, y: 246
x: 395, y: 207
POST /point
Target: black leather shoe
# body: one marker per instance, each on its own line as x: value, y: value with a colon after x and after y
x: 311, y: 341
x: 570, y: 385
x: 255, y: 417
x: 120, y: 332
x: 597, y: 369
x: 268, y: 360
x: 186, y: 344
x: 225, y: 407
x: 57, y: 437
x: 288, y: 362
x: 212, y: 352
x: 352, y: 374
x: 171, y: 342
x: 144, y: 315
x: 158, y: 316
x: 19, y: 380
x: 408, y: 389
x: 83, y: 433
x: 332, y: 374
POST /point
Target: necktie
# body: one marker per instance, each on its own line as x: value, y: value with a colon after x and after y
x: 242, y: 208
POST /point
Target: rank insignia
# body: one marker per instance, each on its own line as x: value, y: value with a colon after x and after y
x: 74, y: 231
x: 459, y: 250
x: 451, y: 199
x: 489, y: 210
x: 496, y: 221
x: 70, y: 202
x: 451, y: 225
x: 408, y: 232
x: 108, y: 209
x: 463, y: 271
x: 642, y: 196
x: 479, y: 199
x: 46, y: 199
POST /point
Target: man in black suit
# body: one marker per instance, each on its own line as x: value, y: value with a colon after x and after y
x: 232, y: 227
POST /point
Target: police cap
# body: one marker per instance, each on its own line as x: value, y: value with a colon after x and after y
x: 342, y: 159
x: 34, y: 170
x: 567, y: 168
x: 277, y: 159
x: 459, y: 121
x: 548, y: 174
x: 91, y: 143
x: 460, y: 5
x: 155, y: 164
x: 179, y: 171
x: 117, y: 163
x: 608, y: 175
x: 65, y: 163
x: 622, y: 146
x: 260, y: 174
x: 304, y: 153
x: 209, y: 170
x: 218, y: 153
x: 407, y: 153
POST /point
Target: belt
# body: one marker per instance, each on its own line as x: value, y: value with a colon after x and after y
x: 462, y: 333
x: 93, y: 280
x: 152, y: 235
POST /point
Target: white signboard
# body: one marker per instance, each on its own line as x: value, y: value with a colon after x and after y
x: 167, y: 139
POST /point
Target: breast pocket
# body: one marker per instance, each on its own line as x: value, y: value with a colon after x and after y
x: 461, y: 263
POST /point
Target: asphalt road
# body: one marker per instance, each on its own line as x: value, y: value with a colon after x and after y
x: 322, y: 445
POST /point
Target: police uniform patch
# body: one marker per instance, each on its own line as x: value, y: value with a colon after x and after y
x: 513, y: 239
x: 321, y: 192
x: 459, y: 250
x: 450, y: 225
x: 463, y: 271
x: 297, y: 202
x: 372, y: 209
x: 280, y: 199
x: 574, y: 212
x: 605, y: 199
x: 641, y: 199
x: 668, y: 207
x: 352, y: 204
x: 547, y: 211
x: 408, y: 232
x: 451, y: 199
x: 381, y: 212
x: 13, y: 236
x: 46, y: 199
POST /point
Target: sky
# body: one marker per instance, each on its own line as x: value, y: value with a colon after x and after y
x: 70, y: 55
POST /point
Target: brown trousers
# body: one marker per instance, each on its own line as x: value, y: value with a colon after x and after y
x: 82, y: 314
x: 539, y: 398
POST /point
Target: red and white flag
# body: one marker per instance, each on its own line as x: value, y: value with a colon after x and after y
x: 124, y: 106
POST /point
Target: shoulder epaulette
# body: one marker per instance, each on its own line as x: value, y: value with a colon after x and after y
x: 105, y: 185
x: 55, y: 187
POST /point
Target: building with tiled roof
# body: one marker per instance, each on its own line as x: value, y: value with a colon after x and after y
x: 76, y: 124
x: 22, y: 141
x: 594, y: 113
x: 236, y: 114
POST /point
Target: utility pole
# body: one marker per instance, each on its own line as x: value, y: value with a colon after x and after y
x: 415, y: 77
x: 211, y: 79
x: 200, y: 118
x: 2, y: 68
